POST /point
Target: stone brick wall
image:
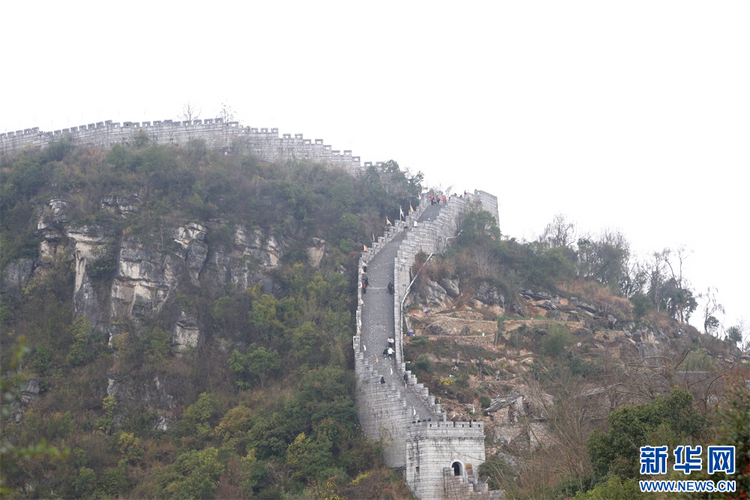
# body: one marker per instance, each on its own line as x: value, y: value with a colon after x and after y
x: 426, y: 451
x: 431, y: 238
x: 431, y: 447
x: 218, y: 135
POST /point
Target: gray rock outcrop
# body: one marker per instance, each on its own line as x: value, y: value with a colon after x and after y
x: 489, y: 295
x: 451, y: 287
x: 88, y: 244
x: 186, y: 333
x: 16, y: 276
x: 193, y: 248
x: 316, y: 251
x: 434, y: 295
x: 145, y: 280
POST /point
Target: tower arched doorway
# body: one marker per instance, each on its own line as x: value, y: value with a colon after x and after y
x: 457, y: 469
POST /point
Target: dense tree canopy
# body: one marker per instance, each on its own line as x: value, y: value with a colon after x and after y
x: 274, y: 414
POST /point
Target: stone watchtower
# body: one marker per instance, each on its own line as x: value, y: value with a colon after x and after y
x: 438, y: 459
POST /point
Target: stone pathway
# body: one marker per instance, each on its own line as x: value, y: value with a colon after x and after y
x: 378, y: 320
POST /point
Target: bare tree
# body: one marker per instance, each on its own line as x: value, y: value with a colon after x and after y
x: 711, y: 309
x: 226, y: 113
x: 190, y: 112
x: 570, y: 417
x: 559, y: 233
x: 656, y: 276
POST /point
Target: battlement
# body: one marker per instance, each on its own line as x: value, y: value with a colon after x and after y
x: 425, y: 428
x: 416, y: 436
x: 217, y: 134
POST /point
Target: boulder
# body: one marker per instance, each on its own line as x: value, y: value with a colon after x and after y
x: 450, y: 286
x: 434, y: 295
x: 612, y: 320
x: 30, y: 391
x: 585, y: 306
x: 536, y: 295
x: 489, y: 295
x: 518, y: 309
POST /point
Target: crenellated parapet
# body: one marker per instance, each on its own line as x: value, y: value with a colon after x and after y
x: 443, y: 459
x: 439, y: 459
x: 432, y: 237
x: 217, y: 134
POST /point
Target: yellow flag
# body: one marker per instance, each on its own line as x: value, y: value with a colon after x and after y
x: 411, y: 209
x: 388, y: 222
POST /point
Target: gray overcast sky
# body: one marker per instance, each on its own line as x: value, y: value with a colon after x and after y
x: 629, y: 115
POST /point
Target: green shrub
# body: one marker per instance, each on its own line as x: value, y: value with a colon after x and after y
x: 41, y: 360
x: 553, y: 344
x: 641, y: 305
x: 103, y: 263
x: 87, y: 343
x: 579, y: 366
x: 424, y: 363
x: 699, y: 360
x: 114, y: 481
x: 85, y: 481
x: 196, y: 421
x: 60, y: 425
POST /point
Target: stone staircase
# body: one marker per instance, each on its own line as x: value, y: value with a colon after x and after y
x: 394, y: 407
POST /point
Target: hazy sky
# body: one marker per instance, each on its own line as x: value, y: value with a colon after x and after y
x: 628, y: 115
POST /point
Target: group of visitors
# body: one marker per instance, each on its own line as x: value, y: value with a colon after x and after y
x: 366, y: 283
x: 388, y: 351
x: 435, y: 199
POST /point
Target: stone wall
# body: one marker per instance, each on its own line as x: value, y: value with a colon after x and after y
x: 383, y: 411
x: 431, y: 238
x: 424, y: 450
x: 431, y: 447
x: 217, y: 134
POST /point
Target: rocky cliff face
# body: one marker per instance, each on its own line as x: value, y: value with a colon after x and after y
x: 146, y: 274
x: 127, y: 279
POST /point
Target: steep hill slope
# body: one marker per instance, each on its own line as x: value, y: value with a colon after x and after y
x: 546, y: 358
x: 188, y: 319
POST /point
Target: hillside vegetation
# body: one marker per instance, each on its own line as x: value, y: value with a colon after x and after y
x: 575, y: 356
x: 177, y: 323
x: 187, y: 318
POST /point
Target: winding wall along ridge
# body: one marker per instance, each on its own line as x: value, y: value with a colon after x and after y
x: 439, y: 459
x: 413, y: 429
x: 218, y: 135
